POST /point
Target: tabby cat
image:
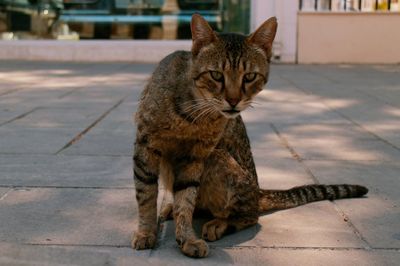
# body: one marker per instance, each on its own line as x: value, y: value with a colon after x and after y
x: 191, y: 135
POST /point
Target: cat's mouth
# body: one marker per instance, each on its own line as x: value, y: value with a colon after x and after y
x: 231, y: 113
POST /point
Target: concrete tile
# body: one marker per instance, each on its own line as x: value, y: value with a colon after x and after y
x: 96, y: 95
x: 341, y: 148
x: 280, y: 90
x: 3, y: 191
x: 39, y: 96
x: 79, y: 118
x: 394, y: 141
x: 68, y: 216
x: 336, y: 141
x: 280, y: 173
x: 45, y: 255
x: 13, y: 254
x: 104, y: 142
x: 34, y: 140
x: 297, y: 97
x: 292, y: 112
x: 313, y: 225
x: 279, y: 257
x: 386, y: 129
x: 121, y: 118
x: 370, y: 112
x: 377, y: 216
x: 374, y: 174
x: 70, y: 171
x: 9, y: 112
x: 264, y: 142
x: 312, y: 131
x: 82, y: 103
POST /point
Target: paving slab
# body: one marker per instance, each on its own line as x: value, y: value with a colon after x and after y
x: 34, y: 140
x: 98, y: 93
x: 8, y: 112
x: 28, y: 95
x: 79, y: 206
x: 121, y: 118
x: 65, y: 171
x: 395, y: 141
x: 379, y: 82
x: 313, y: 225
x: 11, y: 254
x: 339, y: 148
x: 45, y: 255
x: 377, y: 215
x: 264, y: 141
x: 291, y: 112
x: 280, y: 173
x: 62, y: 216
x: 278, y: 257
x: 3, y: 191
x: 282, y: 90
x: 376, y: 219
x: 375, y: 174
x: 325, y: 131
x: 104, y: 142
x: 79, y: 118
x: 366, y: 96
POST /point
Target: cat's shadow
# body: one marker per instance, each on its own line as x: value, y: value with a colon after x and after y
x: 227, y: 241
x: 231, y: 239
x: 219, y: 250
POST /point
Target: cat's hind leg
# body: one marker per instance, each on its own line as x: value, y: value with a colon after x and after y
x: 216, y: 228
x: 230, y: 193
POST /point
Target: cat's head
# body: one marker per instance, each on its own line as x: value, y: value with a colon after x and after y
x: 230, y: 69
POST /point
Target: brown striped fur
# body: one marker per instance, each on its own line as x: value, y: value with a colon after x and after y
x: 191, y: 135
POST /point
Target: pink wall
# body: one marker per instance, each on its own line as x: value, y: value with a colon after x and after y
x: 348, y: 37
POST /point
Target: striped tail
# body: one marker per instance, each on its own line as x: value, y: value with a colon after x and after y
x: 283, y: 199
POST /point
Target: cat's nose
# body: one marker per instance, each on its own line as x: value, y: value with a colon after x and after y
x: 233, y: 101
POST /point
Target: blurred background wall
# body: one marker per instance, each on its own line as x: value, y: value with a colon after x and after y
x: 310, y: 31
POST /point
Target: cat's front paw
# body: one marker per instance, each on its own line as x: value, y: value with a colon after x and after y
x: 214, y: 229
x: 196, y: 248
x: 143, y: 240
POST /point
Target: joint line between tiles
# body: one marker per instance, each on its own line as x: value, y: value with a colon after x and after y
x: 366, y: 244
x: 84, y: 132
x: 6, y: 194
x: 20, y: 116
x: 293, y: 152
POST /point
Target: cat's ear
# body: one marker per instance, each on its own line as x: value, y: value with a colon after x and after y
x: 264, y: 35
x: 202, y: 33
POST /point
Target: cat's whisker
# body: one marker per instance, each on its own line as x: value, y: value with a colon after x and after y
x: 210, y: 111
x: 197, y: 103
x: 193, y: 102
x: 196, y: 107
x: 214, y: 111
x: 205, y: 110
x: 200, y: 115
x: 196, y: 113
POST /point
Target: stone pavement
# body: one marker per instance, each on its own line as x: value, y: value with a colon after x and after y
x: 66, y: 189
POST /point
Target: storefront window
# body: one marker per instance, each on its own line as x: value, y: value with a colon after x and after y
x: 116, y: 19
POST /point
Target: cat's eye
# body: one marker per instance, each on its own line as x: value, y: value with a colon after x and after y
x: 249, y: 77
x: 217, y: 76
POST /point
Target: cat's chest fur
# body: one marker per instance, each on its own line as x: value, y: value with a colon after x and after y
x: 178, y: 137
